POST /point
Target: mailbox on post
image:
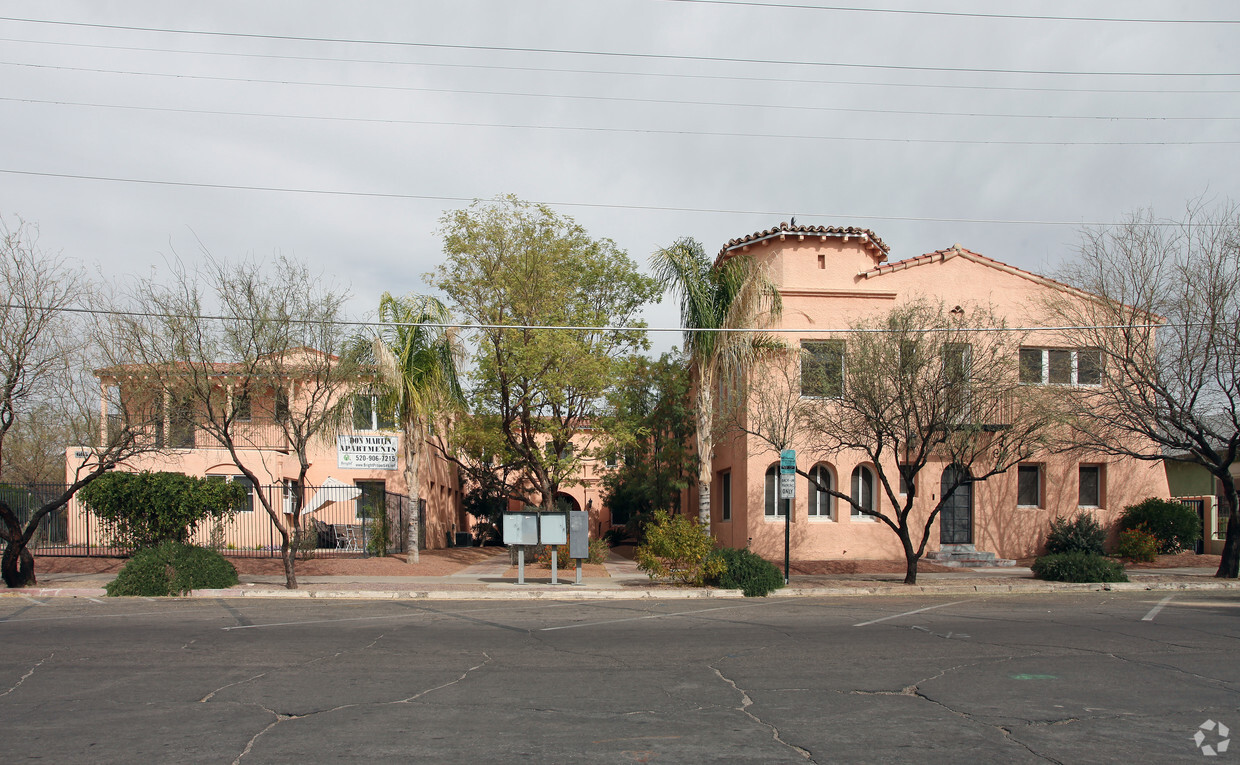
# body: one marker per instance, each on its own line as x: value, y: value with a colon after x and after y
x: 578, y: 538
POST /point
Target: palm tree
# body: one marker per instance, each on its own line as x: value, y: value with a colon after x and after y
x: 417, y: 367
x: 730, y: 295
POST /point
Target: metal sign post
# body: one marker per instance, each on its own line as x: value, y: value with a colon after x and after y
x: 787, y: 492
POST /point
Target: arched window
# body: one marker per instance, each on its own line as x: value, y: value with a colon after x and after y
x: 820, y: 502
x: 774, y: 507
x: 862, y: 490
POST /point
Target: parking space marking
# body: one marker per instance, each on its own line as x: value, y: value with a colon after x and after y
x: 648, y: 616
x: 909, y: 613
x: 32, y: 600
x: 1154, y: 611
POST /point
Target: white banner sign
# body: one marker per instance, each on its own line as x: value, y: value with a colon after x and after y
x: 366, y: 452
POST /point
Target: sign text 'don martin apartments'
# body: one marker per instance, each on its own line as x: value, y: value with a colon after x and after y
x: 366, y: 452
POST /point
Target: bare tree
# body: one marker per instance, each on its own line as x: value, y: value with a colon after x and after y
x: 1166, y: 325
x: 236, y: 350
x: 920, y: 385
x: 47, y: 356
x: 35, y: 334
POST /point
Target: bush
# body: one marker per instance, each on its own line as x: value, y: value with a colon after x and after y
x: 598, y: 554
x: 1175, y: 526
x: 172, y: 569
x: 1081, y: 533
x: 752, y: 574
x: 1078, y: 567
x: 1138, y: 545
x: 678, y: 549
x: 145, y: 509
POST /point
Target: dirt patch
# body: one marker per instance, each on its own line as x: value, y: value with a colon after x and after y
x: 430, y: 563
x: 1182, y: 560
x: 817, y: 567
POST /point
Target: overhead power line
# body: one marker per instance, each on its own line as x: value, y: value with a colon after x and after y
x: 580, y: 97
x: 638, y: 131
x: 588, y: 205
x: 582, y: 328
x: 954, y: 14
x: 608, y: 54
x: 672, y: 75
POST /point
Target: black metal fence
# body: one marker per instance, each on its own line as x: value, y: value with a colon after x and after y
x: 338, y: 520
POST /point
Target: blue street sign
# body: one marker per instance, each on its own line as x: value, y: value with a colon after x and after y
x: 788, y: 462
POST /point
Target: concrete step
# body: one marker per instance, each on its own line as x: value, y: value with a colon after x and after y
x: 991, y: 562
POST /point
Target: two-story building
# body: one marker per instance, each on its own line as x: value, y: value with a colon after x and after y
x: 830, y: 277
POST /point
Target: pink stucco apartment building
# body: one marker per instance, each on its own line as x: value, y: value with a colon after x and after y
x: 361, y: 463
x: 829, y: 277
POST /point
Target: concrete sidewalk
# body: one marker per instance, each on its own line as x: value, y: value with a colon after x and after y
x: 489, y: 580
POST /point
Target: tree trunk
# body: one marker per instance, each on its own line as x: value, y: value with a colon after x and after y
x: 413, y: 484
x: 910, y: 558
x: 289, y: 552
x: 1229, y: 566
x: 16, y: 563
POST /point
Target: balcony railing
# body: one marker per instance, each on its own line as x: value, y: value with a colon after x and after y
x: 180, y: 434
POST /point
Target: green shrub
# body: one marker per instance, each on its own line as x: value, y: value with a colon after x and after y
x: 1078, y: 567
x: 172, y: 569
x: 677, y: 549
x: 752, y: 574
x: 145, y: 509
x: 1080, y: 533
x: 1175, y: 526
x: 1138, y: 545
x: 598, y: 554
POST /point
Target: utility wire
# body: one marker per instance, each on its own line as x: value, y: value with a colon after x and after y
x: 672, y: 75
x: 633, y: 131
x: 583, y: 328
x: 955, y: 14
x: 590, y: 205
x: 575, y: 97
x: 610, y: 54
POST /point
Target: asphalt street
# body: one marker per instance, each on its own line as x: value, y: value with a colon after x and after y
x: 1065, y: 677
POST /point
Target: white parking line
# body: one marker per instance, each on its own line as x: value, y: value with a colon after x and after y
x: 650, y: 616
x: 909, y: 613
x: 1154, y: 611
x: 32, y: 600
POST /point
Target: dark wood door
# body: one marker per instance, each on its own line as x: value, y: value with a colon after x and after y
x: 956, y: 517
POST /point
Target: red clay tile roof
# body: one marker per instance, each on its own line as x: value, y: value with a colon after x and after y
x: 956, y: 249
x: 786, y: 228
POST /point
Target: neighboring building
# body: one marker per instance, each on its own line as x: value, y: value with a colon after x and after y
x: 364, y: 454
x: 830, y: 277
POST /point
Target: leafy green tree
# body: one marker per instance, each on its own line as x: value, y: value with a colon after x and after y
x: 416, y: 361
x: 543, y: 296
x: 147, y: 509
x: 735, y: 294
x: 650, y: 435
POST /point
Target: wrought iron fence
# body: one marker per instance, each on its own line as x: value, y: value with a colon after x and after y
x: 338, y: 520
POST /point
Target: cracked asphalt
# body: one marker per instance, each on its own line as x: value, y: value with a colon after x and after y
x: 1064, y: 677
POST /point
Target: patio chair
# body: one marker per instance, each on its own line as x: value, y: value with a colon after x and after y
x: 348, y: 537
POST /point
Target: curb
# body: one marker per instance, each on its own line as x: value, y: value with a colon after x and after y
x: 564, y: 593
x: 558, y: 594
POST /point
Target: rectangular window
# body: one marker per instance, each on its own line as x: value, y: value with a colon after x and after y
x: 904, y: 484
x: 1090, y: 483
x: 369, y: 413
x: 241, y: 405
x: 725, y: 495
x: 1029, y: 486
x: 822, y: 368
x: 371, y: 502
x: 1061, y: 366
x: 774, y: 505
x: 246, y: 505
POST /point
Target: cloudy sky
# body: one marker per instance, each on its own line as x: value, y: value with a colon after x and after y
x: 340, y: 132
